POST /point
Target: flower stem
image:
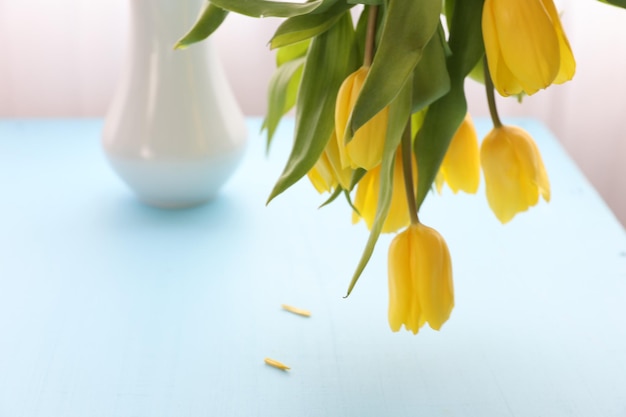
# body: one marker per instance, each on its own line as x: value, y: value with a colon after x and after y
x: 407, y: 170
x: 370, y: 36
x: 491, y: 99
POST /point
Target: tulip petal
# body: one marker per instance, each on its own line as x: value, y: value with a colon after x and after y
x: 503, y: 79
x: 529, y: 43
x: 342, y: 175
x: 365, y: 150
x: 526, y: 47
x: 402, y: 303
x: 541, y: 179
x: 317, y: 180
x: 439, y: 180
x: 514, y: 172
x: 568, y: 63
x: 342, y: 113
x: 420, y: 279
x: 322, y: 176
x: 366, y: 147
x: 398, y: 216
x: 366, y: 200
x: 521, y: 144
x: 435, y: 276
x: 505, y: 194
x: 461, y: 165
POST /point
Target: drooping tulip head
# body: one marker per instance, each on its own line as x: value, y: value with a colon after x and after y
x: 514, y: 172
x: 526, y: 47
x: 420, y: 279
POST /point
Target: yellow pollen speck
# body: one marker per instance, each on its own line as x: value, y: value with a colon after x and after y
x: 276, y: 364
x: 295, y: 310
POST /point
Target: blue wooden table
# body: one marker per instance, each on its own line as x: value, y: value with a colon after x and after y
x: 109, y: 308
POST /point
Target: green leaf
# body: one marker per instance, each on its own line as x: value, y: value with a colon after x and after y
x: 292, y: 90
x: 367, y: 2
x: 357, y: 174
x: 326, y: 4
x: 336, y: 193
x: 299, y: 28
x: 356, y: 177
x: 329, y: 61
x: 466, y: 38
x: 407, y: 28
x: 283, y: 87
x: 361, y: 31
x: 346, y: 194
x: 264, y: 8
x: 431, y: 80
x: 209, y: 19
x: 291, y: 52
x: 618, y: 3
x: 448, y: 7
x: 282, y: 90
x: 478, y: 72
x: 446, y: 114
x: 399, y: 115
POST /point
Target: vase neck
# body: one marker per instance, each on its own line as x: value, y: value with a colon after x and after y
x: 162, y: 22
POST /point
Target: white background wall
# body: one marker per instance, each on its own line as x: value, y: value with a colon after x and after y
x: 62, y: 58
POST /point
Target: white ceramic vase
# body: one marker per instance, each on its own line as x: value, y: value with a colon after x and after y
x: 174, y: 132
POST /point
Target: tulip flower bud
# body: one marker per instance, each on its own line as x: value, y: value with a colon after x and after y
x: 365, y: 150
x: 514, y: 172
x: 420, y: 279
x: 526, y: 47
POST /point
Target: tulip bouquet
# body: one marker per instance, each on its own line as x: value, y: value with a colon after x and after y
x: 381, y: 116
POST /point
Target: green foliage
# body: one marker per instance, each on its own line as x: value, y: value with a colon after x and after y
x: 407, y: 28
x: 283, y: 89
x: 330, y: 59
x: 361, y: 33
x: 446, y: 114
x: 618, y: 3
x: 263, y: 8
x: 431, y: 79
x: 290, y: 52
x: 367, y: 2
x: 284, y: 84
x: 210, y: 18
x: 299, y: 28
x: 399, y: 115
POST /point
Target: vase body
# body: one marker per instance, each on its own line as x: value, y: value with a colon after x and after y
x: 174, y: 132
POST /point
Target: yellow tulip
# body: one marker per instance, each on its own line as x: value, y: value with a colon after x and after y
x: 327, y: 172
x: 365, y: 150
x: 420, y: 279
x: 366, y: 201
x: 526, y: 47
x: 461, y: 165
x: 514, y: 172
x: 321, y: 175
x: 342, y: 175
